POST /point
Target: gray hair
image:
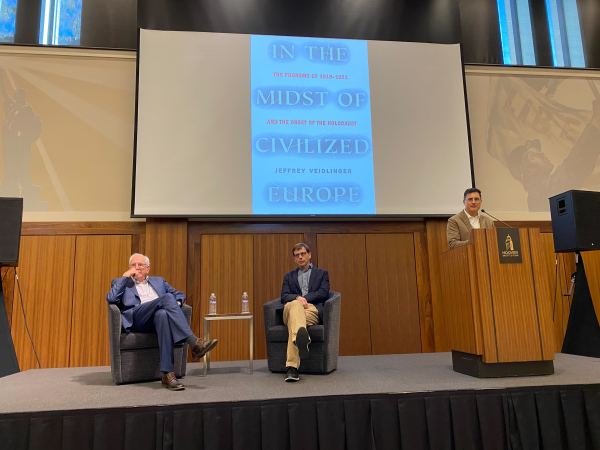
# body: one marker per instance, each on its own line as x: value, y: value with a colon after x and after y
x: 146, y: 259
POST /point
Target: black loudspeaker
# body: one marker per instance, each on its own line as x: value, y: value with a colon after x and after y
x: 11, y: 215
x: 575, y: 221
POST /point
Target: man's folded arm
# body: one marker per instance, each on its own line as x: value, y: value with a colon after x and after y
x: 286, y: 292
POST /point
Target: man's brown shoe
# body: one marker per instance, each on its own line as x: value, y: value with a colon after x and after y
x: 202, y: 346
x: 170, y: 381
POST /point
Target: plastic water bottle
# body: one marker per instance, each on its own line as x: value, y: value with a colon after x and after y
x: 212, y: 304
x: 245, y: 308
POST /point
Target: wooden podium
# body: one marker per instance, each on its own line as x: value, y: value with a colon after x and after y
x: 499, y: 314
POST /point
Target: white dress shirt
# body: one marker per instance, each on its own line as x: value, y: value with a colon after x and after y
x: 474, y: 220
x: 145, y: 291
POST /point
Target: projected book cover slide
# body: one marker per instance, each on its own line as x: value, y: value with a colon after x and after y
x: 311, y: 126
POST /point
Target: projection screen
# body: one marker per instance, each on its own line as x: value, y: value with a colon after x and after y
x: 253, y: 125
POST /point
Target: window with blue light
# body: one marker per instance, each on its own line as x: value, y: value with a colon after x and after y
x: 565, y: 33
x: 516, y: 33
x: 8, y: 15
x: 60, y: 22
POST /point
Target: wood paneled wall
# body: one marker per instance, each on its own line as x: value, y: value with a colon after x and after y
x: 393, y: 299
x: 58, y: 304
x: 345, y: 257
x: 89, y: 337
x: 388, y: 274
x: 46, y: 292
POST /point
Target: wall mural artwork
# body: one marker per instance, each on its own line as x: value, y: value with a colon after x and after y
x: 534, y: 137
x: 20, y: 132
x: 66, y: 134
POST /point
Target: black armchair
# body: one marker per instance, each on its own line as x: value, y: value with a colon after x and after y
x: 134, y: 356
x: 325, y: 337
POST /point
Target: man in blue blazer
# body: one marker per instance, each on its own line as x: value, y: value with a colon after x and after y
x: 150, y: 304
x: 303, y: 292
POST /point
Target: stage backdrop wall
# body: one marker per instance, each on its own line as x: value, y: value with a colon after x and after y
x: 72, y: 161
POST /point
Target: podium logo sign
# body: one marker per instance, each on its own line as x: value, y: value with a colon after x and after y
x: 509, y: 245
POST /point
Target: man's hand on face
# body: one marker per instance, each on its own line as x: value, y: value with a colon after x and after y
x: 130, y: 273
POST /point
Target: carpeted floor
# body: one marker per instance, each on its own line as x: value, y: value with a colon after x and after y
x: 91, y: 387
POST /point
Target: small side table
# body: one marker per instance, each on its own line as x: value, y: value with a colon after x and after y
x: 218, y: 317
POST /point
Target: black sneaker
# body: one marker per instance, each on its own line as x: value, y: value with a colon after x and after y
x: 292, y: 375
x: 302, y: 342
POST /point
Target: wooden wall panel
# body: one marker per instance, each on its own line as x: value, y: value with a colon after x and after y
x: 436, y: 244
x: 194, y: 282
x: 227, y: 269
x: 344, y: 256
x: 166, y: 246
x: 7, y: 275
x: 273, y: 256
x: 543, y: 294
x: 424, y: 293
x: 46, y: 281
x: 136, y: 229
x: 98, y: 259
x: 393, y: 296
x: 559, y: 268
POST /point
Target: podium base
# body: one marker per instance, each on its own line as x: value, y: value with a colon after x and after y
x: 474, y: 366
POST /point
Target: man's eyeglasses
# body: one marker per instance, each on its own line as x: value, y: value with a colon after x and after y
x: 138, y: 265
x: 298, y: 255
x: 474, y: 200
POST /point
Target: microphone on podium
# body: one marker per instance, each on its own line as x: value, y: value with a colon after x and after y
x: 495, y: 218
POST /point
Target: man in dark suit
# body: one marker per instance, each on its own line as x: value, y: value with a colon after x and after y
x: 150, y: 304
x: 303, y: 292
x: 458, y: 229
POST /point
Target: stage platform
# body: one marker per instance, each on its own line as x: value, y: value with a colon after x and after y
x: 371, y: 402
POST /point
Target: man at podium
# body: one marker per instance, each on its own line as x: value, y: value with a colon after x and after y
x: 458, y: 230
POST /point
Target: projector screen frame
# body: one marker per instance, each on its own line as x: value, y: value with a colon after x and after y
x: 262, y: 218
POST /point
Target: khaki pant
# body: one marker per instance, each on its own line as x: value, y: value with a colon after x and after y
x: 296, y: 316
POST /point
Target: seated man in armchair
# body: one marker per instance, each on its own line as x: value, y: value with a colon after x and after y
x: 150, y: 304
x: 303, y: 292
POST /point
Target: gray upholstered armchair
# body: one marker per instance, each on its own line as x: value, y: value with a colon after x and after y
x: 134, y: 356
x: 325, y: 337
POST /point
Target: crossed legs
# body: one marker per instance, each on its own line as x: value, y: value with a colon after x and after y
x: 295, y: 316
x: 164, y: 316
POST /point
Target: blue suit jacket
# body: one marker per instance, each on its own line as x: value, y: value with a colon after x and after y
x: 124, y: 294
x: 318, y: 287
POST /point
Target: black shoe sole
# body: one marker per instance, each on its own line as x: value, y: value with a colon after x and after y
x: 302, y: 341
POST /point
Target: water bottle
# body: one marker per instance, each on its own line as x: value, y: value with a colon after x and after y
x: 212, y: 304
x: 245, y: 308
